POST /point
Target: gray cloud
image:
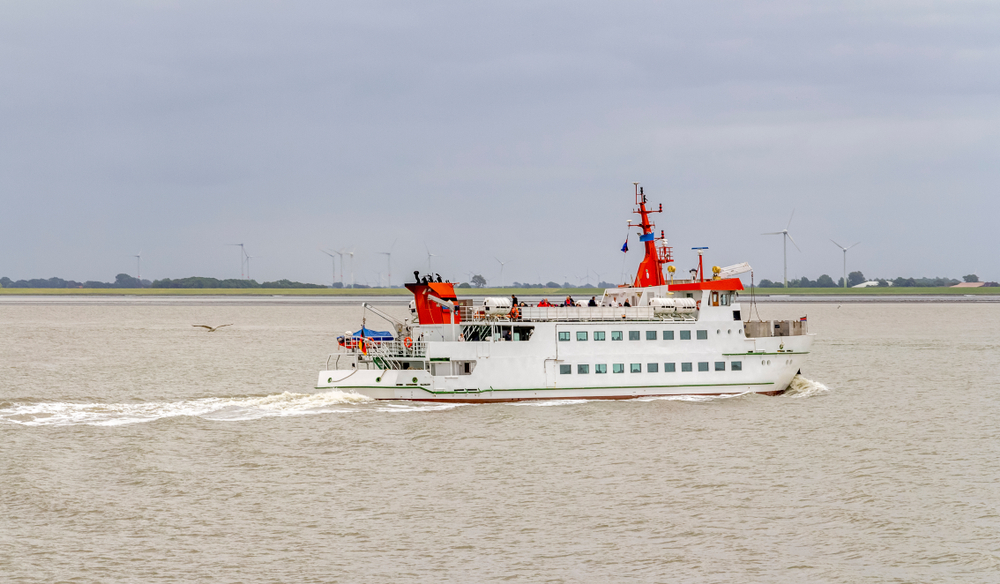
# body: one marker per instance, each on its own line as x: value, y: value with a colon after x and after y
x: 495, y: 129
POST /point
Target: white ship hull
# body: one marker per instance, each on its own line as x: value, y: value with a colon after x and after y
x: 536, y: 369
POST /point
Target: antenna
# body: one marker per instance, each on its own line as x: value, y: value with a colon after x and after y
x: 785, y: 237
x: 845, y: 258
x: 502, y: 264
x: 243, y: 254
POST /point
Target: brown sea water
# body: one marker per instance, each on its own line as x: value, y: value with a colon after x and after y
x: 134, y: 447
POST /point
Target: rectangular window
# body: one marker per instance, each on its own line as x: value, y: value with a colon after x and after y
x: 720, y: 365
x: 635, y: 368
x: 668, y: 335
x: 633, y: 335
x: 650, y: 335
x: 565, y: 369
x: 598, y: 335
x: 669, y: 368
x: 685, y: 336
x: 702, y: 335
x: 618, y: 368
x: 583, y: 369
x: 703, y: 366
x: 616, y: 335
x: 736, y: 366
x: 725, y: 299
x: 685, y: 367
x: 600, y: 368
x: 581, y: 335
x: 563, y: 335
x: 652, y: 367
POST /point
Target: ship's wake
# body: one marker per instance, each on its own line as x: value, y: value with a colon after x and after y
x: 221, y: 409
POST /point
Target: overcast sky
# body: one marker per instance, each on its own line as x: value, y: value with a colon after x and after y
x: 496, y: 129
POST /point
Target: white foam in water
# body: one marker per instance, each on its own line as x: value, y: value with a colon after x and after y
x: 228, y: 409
x: 802, y: 387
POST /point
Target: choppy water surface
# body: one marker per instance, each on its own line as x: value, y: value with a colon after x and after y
x: 134, y: 447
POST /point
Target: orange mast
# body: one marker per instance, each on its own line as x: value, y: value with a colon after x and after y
x: 650, y: 271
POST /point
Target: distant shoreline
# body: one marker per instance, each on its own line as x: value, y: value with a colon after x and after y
x: 761, y: 293
x: 333, y: 296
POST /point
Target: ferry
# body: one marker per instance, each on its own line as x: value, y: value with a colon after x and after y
x: 655, y: 337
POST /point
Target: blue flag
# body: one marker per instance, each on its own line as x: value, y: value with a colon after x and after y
x: 625, y: 247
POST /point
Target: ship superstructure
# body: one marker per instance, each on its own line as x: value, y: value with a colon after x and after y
x: 658, y: 336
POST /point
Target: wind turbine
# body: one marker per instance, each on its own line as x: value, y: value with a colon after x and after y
x: 243, y: 254
x: 785, y: 237
x: 845, y: 258
x: 502, y: 264
x: 429, y: 256
x: 333, y: 265
x: 249, y: 257
x: 138, y: 266
x: 388, y: 262
x: 351, y: 253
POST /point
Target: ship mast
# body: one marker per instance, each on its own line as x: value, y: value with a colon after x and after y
x: 650, y: 271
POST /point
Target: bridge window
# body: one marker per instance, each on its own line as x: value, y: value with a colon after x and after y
x: 581, y: 335
x: 635, y: 368
x: 668, y: 335
x: 702, y: 335
x: 669, y: 368
x: 685, y: 335
x: 583, y: 369
x: 600, y: 368
x: 720, y: 365
x: 703, y: 366
x: 736, y: 366
x: 652, y: 367
x: 563, y: 335
x: 633, y: 335
x: 616, y: 335
x: 565, y: 369
x: 685, y: 367
x: 618, y: 368
x: 598, y: 335
x: 650, y: 335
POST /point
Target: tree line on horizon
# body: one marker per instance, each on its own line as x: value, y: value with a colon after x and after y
x: 855, y: 278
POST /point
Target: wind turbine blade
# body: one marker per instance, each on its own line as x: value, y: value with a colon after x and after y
x: 853, y: 245
x: 840, y: 246
x: 774, y: 233
x: 793, y: 242
x: 790, y: 219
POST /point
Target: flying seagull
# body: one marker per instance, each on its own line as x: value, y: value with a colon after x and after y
x: 212, y: 329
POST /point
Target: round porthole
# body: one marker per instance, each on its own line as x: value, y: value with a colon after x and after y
x: 768, y: 361
x: 718, y: 331
x: 414, y: 380
x: 729, y: 332
x: 377, y: 379
x: 329, y: 380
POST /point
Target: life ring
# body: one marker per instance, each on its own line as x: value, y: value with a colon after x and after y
x: 697, y: 304
x: 408, y: 343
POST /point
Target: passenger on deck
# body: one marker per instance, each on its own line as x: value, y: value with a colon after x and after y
x: 545, y: 302
x: 593, y: 301
x: 569, y: 301
x: 513, y: 300
x: 626, y: 302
